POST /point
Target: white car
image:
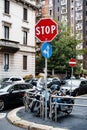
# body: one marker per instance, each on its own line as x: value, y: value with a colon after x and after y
x: 12, y: 79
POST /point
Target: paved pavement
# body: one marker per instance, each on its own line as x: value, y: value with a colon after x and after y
x: 28, y: 121
x: 77, y: 120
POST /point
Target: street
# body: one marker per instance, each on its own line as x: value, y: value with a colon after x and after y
x: 77, y: 120
x: 4, y: 124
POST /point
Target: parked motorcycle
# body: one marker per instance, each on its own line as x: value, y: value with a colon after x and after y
x: 38, y: 101
x: 63, y: 104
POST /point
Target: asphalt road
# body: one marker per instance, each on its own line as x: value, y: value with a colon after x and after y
x: 77, y: 120
x: 4, y: 124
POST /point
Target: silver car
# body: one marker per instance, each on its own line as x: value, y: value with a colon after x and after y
x: 75, y: 87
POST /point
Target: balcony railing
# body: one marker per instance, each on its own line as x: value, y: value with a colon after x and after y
x: 63, y: 2
x: 79, y: 8
x: 79, y: 17
x: 9, y: 46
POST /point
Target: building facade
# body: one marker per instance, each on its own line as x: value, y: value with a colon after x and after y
x: 17, y: 38
x: 74, y: 13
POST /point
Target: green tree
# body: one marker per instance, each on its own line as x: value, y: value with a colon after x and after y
x: 63, y: 49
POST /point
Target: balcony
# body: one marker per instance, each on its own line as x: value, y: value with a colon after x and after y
x: 79, y: 8
x: 8, y: 46
x: 79, y: 17
x: 63, y: 2
x: 79, y: 27
x: 63, y: 10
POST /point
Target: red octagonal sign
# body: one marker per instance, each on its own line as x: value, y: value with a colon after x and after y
x: 46, y: 30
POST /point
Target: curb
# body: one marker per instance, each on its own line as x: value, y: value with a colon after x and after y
x: 15, y: 120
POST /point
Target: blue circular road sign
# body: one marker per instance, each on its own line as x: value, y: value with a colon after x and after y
x: 46, y: 50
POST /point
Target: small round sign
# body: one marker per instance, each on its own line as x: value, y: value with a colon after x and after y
x: 72, y: 62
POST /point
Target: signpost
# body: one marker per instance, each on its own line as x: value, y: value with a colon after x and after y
x: 45, y: 31
x: 72, y: 63
x: 46, y: 50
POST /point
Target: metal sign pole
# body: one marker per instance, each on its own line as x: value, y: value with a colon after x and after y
x: 71, y: 80
x: 72, y: 72
x: 46, y: 50
x: 45, y: 89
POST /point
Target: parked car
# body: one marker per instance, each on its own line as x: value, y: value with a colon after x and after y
x: 12, y: 79
x: 75, y: 87
x: 12, y: 93
x: 51, y: 81
x: 32, y: 81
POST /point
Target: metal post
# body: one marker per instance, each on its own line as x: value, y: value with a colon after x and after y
x: 71, y: 81
x: 46, y: 89
x: 72, y: 72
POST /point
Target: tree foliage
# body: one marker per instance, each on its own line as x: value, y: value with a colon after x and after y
x: 63, y: 49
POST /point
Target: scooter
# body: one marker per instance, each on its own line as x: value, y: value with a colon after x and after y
x: 62, y: 105
x: 38, y: 100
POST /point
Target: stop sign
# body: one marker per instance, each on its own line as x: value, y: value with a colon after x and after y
x: 72, y: 62
x: 46, y: 30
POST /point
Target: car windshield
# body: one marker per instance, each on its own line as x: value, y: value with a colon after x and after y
x: 4, y: 80
x: 4, y: 85
x: 72, y: 82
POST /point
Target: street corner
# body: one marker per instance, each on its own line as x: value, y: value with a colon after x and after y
x: 15, y: 120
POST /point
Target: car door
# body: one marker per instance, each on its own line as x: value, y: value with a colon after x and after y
x: 83, y: 87
x: 14, y: 94
x: 23, y: 89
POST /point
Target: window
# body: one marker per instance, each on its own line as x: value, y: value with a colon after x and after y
x: 24, y: 62
x: 86, y: 3
x: 86, y: 43
x: 6, y: 61
x: 58, y: 18
x: 50, y: 12
x: 6, y: 32
x: 86, y: 23
x: 25, y: 86
x: 25, y: 14
x: 25, y: 37
x: 86, y: 13
x: 16, y: 87
x: 58, y: 9
x: 6, y: 6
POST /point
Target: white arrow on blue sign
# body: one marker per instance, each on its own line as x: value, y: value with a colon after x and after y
x: 46, y: 50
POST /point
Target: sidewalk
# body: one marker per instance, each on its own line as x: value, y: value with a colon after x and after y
x: 28, y: 121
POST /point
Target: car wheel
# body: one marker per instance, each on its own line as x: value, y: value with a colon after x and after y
x: 1, y: 105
